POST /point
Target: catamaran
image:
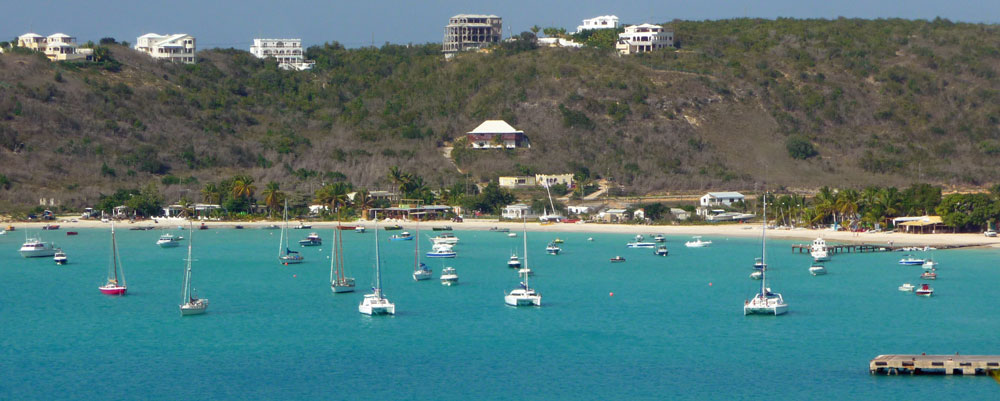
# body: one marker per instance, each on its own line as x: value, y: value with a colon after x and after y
x: 286, y: 255
x: 338, y: 282
x: 765, y: 302
x: 523, y: 295
x: 116, y: 272
x: 375, y: 303
x: 190, y: 303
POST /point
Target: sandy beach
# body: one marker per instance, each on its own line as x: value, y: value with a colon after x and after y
x: 722, y: 230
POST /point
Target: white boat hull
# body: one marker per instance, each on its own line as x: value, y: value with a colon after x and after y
x: 770, y: 305
x: 421, y: 275
x: 342, y: 286
x: 817, y: 271
x: 167, y: 244
x: 375, y: 306
x: 523, y: 300
x: 449, y: 280
x: 194, y: 308
x: 441, y: 254
x: 37, y: 253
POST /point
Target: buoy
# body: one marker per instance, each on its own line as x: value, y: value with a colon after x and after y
x: 611, y: 294
x: 295, y: 275
x: 709, y: 284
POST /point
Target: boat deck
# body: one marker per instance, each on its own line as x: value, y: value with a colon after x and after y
x: 934, y: 364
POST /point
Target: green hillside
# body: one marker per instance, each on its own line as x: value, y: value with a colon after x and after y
x: 794, y: 103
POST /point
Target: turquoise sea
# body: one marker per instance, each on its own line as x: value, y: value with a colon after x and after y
x: 673, y: 328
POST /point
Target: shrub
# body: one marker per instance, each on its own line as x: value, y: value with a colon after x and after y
x: 800, y: 148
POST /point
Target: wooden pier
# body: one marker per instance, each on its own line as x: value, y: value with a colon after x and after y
x: 934, y: 364
x: 804, y: 248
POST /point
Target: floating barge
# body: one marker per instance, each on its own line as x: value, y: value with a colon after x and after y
x: 934, y: 364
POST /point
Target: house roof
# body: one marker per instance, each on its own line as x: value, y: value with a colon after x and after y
x: 495, y: 127
x: 645, y: 26
x: 151, y: 35
x: 475, y: 16
x: 30, y: 35
x: 923, y: 221
x: 725, y: 194
x: 59, y: 35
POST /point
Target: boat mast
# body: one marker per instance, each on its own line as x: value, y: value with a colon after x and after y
x: 524, y: 227
x: 763, y: 251
x: 186, y: 296
x: 378, y: 273
x: 416, y: 246
x: 281, y: 242
x: 113, y: 266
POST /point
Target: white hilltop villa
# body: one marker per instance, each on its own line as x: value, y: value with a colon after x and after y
x: 57, y: 47
x: 602, y: 22
x: 288, y: 53
x: 643, y: 38
x: 176, y: 48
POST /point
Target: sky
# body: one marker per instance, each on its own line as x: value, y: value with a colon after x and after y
x: 227, y: 23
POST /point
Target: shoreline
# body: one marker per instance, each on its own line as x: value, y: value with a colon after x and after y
x: 940, y: 240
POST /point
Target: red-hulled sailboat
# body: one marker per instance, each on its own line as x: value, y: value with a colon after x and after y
x: 116, y: 274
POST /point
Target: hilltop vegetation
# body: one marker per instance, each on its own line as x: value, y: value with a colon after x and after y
x: 793, y: 103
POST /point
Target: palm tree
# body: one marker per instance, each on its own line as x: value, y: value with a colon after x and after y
x: 891, y: 203
x: 847, y: 204
x: 272, y: 197
x: 363, y: 201
x: 211, y: 194
x: 825, y: 205
x: 243, y: 187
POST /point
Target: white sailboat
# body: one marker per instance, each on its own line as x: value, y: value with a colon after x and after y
x: 420, y: 271
x: 523, y: 295
x: 375, y: 303
x: 116, y: 273
x: 765, y: 302
x: 286, y: 255
x: 191, y: 304
x: 338, y: 282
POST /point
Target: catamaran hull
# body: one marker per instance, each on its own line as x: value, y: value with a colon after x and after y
x: 377, y: 310
x: 522, y: 301
x: 116, y: 290
x: 765, y: 310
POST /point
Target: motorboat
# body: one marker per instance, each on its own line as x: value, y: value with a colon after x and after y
x: 60, y: 257
x: 639, y: 244
x: 201, y: 227
x: 924, y: 291
x: 446, y: 238
x: 590, y: 239
x: 525, y: 270
x: 557, y: 241
x: 910, y: 260
x: 819, y: 251
x: 312, y: 239
x: 72, y: 233
x: 395, y: 227
x: 660, y: 238
x: 342, y: 227
x: 661, y: 251
x: 359, y: 229
x: 514, y: 262
x: 448, y: 276
x: 757, y: 275
x: 403, y: 236
x: 929, y: 264
x: 50, y: 227
x: 697, y: 243
x: 168, y: 241
x: 444, y: 228
x: 303, y: 226
x: 552, y: 249
x: 375, y: 303
x: 271, y: 227
x: 238, y: 227
x: 36, y: 248
x: 907, y: 287
x: 500, y: 230
x: 441, y: 251
x: 758, y: 264
x: 928, y: 275
x: 511, y: 235
x: 817, y: 270
x: 422, y: 272
x: 764, y: 302
x: 639, y: 238
x: 617, y: 259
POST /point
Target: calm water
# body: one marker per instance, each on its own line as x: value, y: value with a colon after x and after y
x: 674, y: 328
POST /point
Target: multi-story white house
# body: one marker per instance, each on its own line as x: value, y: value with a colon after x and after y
x: 57, y: 47
x: 471, y: 32
x: 721, y: 198
x: 519, y: 181
x: 496, y: 134
x: 288, y: 53
x: 32, y: 41
x: 643, y: 38
x: 602, y: 22
x: 176, y: 48
x: 553, y: 179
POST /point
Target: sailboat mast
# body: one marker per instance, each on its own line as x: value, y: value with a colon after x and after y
x: 763, y: 251
x: 114, y: 253
x: 186, y: 296
x: 524, y: 228
x: 333, y: 253
x: 281, y: 241
x: 378, y: 273
x: 416, y: 247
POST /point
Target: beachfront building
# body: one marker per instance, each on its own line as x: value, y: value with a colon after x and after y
x: 643, y: 38
x: 920, y: 224
x: 175, y: 48
x: 471, y: 32
x: 613, y: 215
x: 602, y: 22
x: 680, y: 214
x: 519, y: 181
x: 548, y: 180
x: 517, y: 211
x: 721, y: 199
x: 287, y: 52
x: 496, y: 134
x: 578, y: 209
x: 31, y: 41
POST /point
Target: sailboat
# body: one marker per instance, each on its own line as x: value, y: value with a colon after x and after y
x: 191, y: 304
x: 339, y: 283
x: 420, y: 271
x: 375, y: 303
x: 286, y: 255
x: 116, y: 273
x: 523, y: 295
x: 765, y: 302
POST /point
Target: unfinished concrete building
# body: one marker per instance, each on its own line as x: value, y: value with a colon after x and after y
x: 470, y: 32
